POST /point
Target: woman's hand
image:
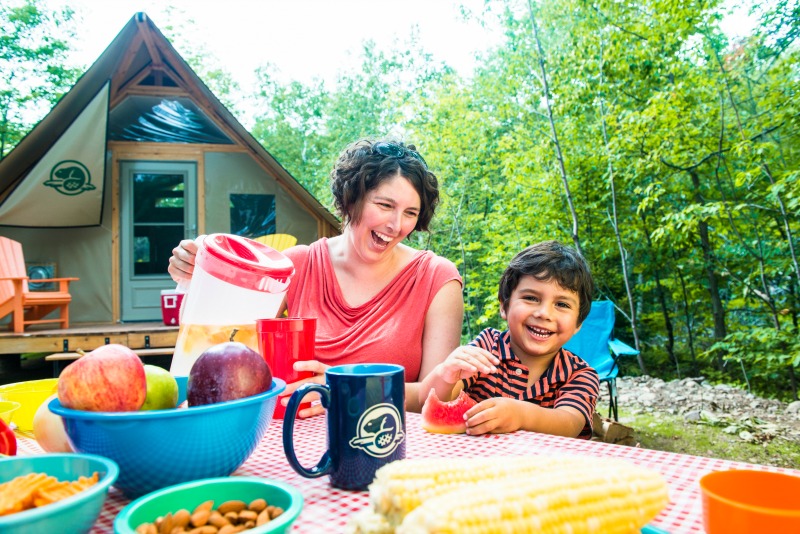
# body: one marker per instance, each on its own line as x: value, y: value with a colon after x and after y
x: 318, y: 369
x: 181, y: 263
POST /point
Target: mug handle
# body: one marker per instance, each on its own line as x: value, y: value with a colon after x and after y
x: 325, y: 464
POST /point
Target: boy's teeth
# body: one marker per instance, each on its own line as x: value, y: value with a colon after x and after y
x: 539, y: 331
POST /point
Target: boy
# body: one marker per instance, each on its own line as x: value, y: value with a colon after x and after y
x: 522, y: 378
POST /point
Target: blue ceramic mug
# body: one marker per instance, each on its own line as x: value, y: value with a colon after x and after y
x: 366, y: 423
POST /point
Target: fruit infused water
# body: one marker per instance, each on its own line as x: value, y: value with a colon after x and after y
x: 194, y: 339
x: 235, y: 281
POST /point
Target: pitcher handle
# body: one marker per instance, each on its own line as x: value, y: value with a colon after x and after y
x: 325, y: 463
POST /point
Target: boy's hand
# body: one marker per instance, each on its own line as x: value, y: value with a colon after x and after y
x: 465, y: 362
x: 497, y: 415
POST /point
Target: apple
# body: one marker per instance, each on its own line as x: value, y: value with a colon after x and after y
x: 162, y: 389
x: 108, y: 379
x: 227, y: 371
x: 48, y: 429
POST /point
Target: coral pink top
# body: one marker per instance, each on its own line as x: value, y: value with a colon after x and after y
x: 386, y: 329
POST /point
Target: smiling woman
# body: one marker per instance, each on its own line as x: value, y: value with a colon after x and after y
x: 376, y: 299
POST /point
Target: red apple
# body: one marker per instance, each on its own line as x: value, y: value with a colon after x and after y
x: 48, y: 428
x: 108, y: 379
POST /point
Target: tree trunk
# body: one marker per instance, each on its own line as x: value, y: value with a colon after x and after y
x: 556, y: 144
x: 662, y: 300
x: 717, y: 310
x: 623, y: 254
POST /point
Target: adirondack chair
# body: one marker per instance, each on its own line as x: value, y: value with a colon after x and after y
x: 595, y: 343
x: 277, y: 241
x: 25, y: 306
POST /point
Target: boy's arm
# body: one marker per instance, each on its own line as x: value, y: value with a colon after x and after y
x: 500, y: 415
x: 574, y: 407
x: 561, y: 421
x: 463, y: 362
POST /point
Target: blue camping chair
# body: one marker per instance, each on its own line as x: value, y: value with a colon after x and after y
x: 595, y: 343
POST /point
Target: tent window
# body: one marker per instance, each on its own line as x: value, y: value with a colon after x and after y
x: 163, y: 120
x: 252, y: 215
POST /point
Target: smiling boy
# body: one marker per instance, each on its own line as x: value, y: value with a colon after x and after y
x: 522, y: 378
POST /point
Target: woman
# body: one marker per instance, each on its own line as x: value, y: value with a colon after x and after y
x: 375, y: 298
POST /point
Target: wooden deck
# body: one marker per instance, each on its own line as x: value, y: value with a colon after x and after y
x: 88, y: 337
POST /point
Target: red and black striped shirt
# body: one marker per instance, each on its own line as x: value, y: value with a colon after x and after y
x: 568, y: 381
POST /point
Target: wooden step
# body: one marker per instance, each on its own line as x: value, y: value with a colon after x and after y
x: 158, y: 351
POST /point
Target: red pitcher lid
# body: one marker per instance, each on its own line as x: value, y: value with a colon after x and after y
x: 245, y: 263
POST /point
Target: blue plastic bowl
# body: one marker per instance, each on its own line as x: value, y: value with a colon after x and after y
x: 78, y: 512
x: 190, y: 494
x: 160, y: 448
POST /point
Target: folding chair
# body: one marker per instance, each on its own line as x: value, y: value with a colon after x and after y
x: 595, y: 343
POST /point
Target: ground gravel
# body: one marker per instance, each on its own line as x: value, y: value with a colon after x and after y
x: 696, y: 400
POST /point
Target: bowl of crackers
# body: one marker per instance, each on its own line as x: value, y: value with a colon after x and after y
x: 52, y: 492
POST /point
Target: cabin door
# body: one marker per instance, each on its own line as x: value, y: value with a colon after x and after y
x: 158, y: 208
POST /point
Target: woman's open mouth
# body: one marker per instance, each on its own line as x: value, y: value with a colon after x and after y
x: 381, y: 240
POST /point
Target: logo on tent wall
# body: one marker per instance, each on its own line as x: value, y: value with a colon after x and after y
x: 70, y: 177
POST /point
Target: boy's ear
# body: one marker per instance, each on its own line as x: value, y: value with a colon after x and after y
x: 502, y: 309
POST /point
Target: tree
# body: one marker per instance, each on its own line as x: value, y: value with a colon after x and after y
x: 34, y: 44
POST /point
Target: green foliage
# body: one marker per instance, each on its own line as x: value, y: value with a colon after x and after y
x: 680, y: 156
x: 34, y: 44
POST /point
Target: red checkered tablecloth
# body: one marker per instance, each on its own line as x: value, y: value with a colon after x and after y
x: 327, y: 509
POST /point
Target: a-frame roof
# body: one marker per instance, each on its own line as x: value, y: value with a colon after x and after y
x: 141, y: 54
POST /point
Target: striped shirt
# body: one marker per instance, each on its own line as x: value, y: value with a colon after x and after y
x: 568, y: 381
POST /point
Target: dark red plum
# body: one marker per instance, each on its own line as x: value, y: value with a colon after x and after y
x: 227, y: 371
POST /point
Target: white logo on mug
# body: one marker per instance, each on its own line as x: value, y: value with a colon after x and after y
x: 380, y: 431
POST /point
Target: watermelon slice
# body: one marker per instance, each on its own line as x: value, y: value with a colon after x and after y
x: 446, y: 417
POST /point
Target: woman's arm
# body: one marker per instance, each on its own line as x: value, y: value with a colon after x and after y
x: 441, y: 335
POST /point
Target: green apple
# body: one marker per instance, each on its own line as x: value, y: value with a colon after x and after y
x: 162, y: 389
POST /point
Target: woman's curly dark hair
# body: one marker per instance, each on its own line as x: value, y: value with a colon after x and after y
x: 360, y: 169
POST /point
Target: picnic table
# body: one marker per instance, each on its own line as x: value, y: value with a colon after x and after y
x: 327, y: 509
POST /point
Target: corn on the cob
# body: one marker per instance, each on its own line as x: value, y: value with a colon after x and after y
x: 401, y: 486
x: 517, y: 494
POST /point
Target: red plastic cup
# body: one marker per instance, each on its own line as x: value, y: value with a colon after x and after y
x: 283, y: 341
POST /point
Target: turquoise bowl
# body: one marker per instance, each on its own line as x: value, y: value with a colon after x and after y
x: 190, y: 494
x: 159, y: 448
x: 76, y: 513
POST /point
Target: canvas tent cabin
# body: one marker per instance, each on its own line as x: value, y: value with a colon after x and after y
x: 136, y: 156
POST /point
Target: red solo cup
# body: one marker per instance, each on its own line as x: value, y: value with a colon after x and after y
x: 283, y: 341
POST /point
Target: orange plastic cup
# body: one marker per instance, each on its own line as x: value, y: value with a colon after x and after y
x: 283, y: 341
x: 744, y: 501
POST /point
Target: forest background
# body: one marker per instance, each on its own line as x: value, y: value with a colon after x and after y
x: 668, y: 153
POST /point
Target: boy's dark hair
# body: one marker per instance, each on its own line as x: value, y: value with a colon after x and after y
x: 550, y: 260
x: 365, y: 164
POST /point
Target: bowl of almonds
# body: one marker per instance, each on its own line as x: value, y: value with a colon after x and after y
x: 214, y: 506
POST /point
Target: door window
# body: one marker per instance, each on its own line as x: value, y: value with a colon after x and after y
x: 158, y: 220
